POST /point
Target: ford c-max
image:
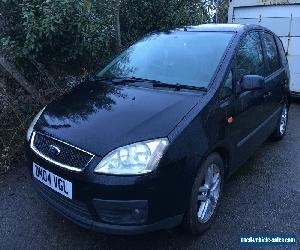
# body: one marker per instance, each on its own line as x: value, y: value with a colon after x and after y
x: 147, y: 142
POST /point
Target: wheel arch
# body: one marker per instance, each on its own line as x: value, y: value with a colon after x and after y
x: 226, y: 157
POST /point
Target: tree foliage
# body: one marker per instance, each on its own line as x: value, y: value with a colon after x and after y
x: 80, y: 32
x: 57, y: 30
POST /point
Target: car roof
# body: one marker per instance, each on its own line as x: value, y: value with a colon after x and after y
x: 221, y: 27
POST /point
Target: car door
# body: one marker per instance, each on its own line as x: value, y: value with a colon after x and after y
x: 275, y: 75
x: 247, y: 109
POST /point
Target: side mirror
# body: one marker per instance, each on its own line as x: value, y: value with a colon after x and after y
x: 252, y: 82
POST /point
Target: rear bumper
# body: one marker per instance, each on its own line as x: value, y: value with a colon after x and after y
x: 83, y: 219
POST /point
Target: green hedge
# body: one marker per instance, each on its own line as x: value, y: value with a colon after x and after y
x: 80, y: 32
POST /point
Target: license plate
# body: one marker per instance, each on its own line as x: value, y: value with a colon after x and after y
x: 53, y: 181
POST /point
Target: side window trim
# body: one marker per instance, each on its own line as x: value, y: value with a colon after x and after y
x: 234, y: 75
x: 260, y: 33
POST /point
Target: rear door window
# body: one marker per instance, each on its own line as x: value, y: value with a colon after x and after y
x: 249, y: 58
x: 281, y: 51
x: 272, y: 56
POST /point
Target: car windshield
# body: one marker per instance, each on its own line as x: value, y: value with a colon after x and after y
x: 189, y: 58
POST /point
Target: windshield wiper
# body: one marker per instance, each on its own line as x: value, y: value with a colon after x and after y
x: 178, y: 86
x: 128, y: 80
x: 99, y: 78
x: 155, y: 83
x: 121, y: 80
x: 133, y: 81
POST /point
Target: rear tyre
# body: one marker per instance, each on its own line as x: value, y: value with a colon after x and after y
x: 205, y: 196
x: 282, y: 123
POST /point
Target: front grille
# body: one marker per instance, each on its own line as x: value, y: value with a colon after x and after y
x: 63, y: 155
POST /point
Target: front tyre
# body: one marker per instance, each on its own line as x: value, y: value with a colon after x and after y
x: 282, y: 123
x: 205, y: 196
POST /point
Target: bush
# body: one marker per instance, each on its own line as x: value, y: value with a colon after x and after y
x: 80, y: 32
x: 58, y: 31
x: 139, y: 17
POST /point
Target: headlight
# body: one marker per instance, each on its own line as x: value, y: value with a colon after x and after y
x: 30, y: 129
x: 134, y: 159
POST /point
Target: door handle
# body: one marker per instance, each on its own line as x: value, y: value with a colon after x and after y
x: 267, y: 94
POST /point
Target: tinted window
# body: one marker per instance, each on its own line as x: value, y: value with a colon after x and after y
x: 249, y: 57
x: 281, y: 51
x: 271, y: 53
x: 189, y: 58
x: 227, y: 88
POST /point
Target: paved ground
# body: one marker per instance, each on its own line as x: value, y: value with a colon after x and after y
x: 262, y: 197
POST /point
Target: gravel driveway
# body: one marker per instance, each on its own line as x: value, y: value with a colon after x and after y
x: 262, y: 197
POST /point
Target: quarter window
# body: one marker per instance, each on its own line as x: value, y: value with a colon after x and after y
x: 227, y: 88
x: 271, y: 53
x: 249, y: 58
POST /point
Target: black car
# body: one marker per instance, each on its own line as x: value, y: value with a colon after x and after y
x: 147, y: 142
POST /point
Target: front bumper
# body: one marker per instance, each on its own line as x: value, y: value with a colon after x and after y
x: 115, y: 205
x: 83, y: 219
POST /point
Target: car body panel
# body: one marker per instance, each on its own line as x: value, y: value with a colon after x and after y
x: 96, y: 123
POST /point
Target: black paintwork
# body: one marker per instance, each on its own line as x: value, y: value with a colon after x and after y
x: 99, y: 117
x: 114, y: 115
